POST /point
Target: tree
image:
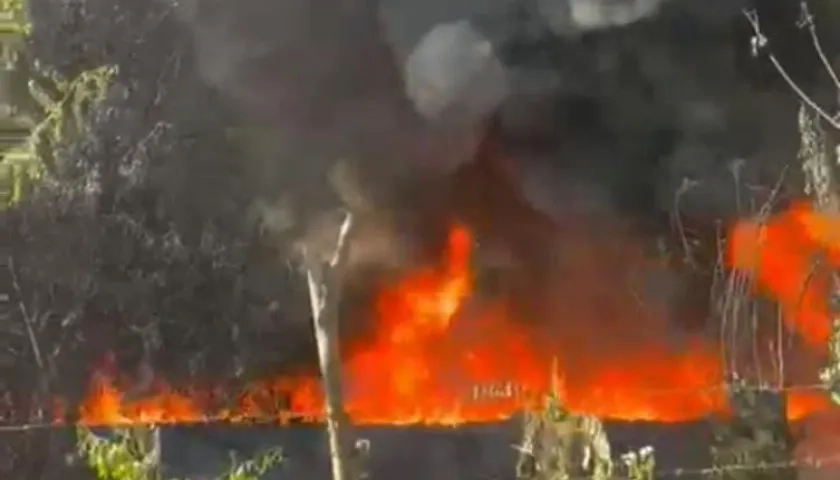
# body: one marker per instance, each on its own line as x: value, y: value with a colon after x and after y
x: 325, y: 281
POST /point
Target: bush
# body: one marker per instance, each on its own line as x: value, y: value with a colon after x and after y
x: 134, y: 454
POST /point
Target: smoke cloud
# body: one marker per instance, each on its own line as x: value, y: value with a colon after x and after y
x: 614, y: 123
x: 300, y: 71
x: 454, y: 67
x: 569, y: 17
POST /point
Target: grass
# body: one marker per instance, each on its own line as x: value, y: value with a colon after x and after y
x: 134, y: 454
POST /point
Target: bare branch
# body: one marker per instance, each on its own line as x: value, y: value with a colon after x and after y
x: 688, y: 252
x: 28, y: 320
x: 807, y: 21
x: 759, y: 43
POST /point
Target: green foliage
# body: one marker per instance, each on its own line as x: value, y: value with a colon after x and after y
x: 41, y: 110
x: 755, y: 443
x: 65, y: 105
x: 560, y: 445
x: 830, y: 375
x: 124, y: 458
x: 18, y: 175
x: 63, y: 108
x: 254, y: 468
x: 14, y: 27
x: 639, y: 465
x: 14, y: 20
x: 134, y: 455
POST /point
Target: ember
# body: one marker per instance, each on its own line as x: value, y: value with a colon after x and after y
x: 419, y: 368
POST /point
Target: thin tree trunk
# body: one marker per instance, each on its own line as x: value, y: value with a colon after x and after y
x: 324, y: 282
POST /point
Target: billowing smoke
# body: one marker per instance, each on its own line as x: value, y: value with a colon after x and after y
x: 572, y: 16
x: 455, y: 68
x: 299, y: 68
x: 605, y: 111
x: 624, y: 108
x: 454, y: 73
x: 635, y: 107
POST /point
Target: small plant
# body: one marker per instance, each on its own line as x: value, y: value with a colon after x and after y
x: 639, y: 465
x: 830, y: 375
x: 559, y: 445
x: 254, y: 468
x: 129, y: 456
x: 134, y: 454
x: 755, y: 442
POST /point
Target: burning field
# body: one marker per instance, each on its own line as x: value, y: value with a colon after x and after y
x: 443, y: 355
x: 535, y: 270
x: 438, y: 355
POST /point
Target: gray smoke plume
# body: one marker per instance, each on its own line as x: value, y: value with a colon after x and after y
x: 289, y: 64
x: 568, y: 17
x: 455, y: 68
x: 646, y: 114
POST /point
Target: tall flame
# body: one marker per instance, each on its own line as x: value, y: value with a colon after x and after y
x: 784, y: 254
x: 439, y: 356
x: 790, y: 256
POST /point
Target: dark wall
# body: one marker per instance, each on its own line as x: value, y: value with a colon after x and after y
x: 412, y: 453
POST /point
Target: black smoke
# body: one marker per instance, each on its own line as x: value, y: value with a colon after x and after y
x: 213, y: 153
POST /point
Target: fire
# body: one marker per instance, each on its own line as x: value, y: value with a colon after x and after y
x: 783, y: 253
x: 790, y: 256
x: 439, y: 356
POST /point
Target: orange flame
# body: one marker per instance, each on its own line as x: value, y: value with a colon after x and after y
x: 781, y: 253
x: 440, y: 357
x: 790, y: 256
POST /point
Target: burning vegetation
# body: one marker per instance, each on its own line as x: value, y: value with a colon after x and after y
x: 473, y: 286
x: 435, y: 358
